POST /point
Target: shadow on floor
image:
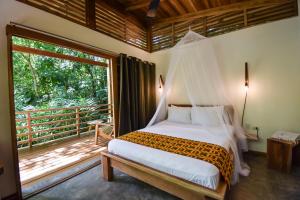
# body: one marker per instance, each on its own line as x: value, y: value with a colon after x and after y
x: 262, y: 184
x: 28, y: 189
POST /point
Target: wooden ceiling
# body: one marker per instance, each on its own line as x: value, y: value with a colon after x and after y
x: 126, y: 20
x: 207, y: 17
x: 179, y: 10
x: 172, y: 8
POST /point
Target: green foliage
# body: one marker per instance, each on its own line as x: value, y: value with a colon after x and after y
x: 43, y: 82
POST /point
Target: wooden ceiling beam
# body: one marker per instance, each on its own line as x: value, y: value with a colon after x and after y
x: 191, y: 5
x: 167, y: 8
x: 177, y: 6
x: 206, y: 3
x: 219, y: 3
x: 139, y: 4
x: 118, y: 7
x: 220, y: 10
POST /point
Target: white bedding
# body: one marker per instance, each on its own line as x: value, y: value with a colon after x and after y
x: 194, y: 170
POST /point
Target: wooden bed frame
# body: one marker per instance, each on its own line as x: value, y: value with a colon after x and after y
x: 169, y: 183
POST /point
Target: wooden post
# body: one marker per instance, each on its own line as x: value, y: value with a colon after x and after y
x: 29, y: 129
x: 107, y: 170
x: 115, y: 95
x: 90, y: 6
x: 15, y: 168
x: 77, y: 109
x: 96, y: 133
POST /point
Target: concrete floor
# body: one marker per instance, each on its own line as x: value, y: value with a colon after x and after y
x: 262, y: 184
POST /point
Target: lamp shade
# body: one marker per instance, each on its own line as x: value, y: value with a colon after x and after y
x: 246, y: 75
x: 161, y: 81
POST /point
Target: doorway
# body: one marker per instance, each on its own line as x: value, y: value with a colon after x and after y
x: 56, y: 90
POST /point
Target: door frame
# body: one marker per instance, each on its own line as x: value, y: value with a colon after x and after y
x: 34, y: 34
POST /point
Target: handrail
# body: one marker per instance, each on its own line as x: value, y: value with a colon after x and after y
x: 53, y: 122
x: 48, y: 124
x: 52, y: 116
x: 67, y: 108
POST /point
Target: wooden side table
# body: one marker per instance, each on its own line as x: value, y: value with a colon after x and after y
x: 281, y: 154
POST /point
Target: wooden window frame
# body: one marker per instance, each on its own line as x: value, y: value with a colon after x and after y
x: 24, y: 49
x: 27, y: 33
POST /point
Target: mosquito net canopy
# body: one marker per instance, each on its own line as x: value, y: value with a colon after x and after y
x: 193, y: 62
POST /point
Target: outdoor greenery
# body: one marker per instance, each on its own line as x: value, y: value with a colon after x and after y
x: 42, y: 83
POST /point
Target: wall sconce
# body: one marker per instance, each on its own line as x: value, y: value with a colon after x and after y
x: 246, y: 88
x: 161, y: 83
x: 246, y: 77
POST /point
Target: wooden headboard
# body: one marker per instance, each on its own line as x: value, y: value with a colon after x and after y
x: 227, y: 108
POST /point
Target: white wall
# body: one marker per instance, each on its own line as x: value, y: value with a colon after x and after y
x: 13, y: 11
x: 273, y: 53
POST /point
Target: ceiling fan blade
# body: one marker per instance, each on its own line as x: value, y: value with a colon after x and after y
x: 153, y: 8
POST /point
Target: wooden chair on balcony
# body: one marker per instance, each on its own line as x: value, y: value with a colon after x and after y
x: 103, y: 130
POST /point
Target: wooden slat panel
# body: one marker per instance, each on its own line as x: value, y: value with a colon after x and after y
x: 73, y: 9
x: 259, y: 16
x: 225, y: 23
x: 162, y: 34
x: 106, y: 19
x: 120, y: 26
x: 161, y: 37
x: 209, y: 18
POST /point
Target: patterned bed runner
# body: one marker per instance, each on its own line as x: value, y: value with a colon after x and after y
x: 212, y: 153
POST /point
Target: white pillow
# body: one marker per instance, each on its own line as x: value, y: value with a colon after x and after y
x: 179, y: 114
x: 207, y: 116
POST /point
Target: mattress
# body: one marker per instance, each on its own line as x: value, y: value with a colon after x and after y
x: 187, y: 168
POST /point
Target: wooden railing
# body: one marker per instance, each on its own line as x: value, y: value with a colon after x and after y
x: 35, y: 127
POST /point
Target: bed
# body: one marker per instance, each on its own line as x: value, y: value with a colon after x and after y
x: 184, y: 177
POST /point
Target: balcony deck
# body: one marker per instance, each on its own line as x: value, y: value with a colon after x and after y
x: 45, y: 160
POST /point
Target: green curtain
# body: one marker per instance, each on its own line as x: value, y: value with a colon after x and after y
x: 137, y: 96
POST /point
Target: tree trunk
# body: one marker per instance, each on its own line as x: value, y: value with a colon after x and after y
x: 34, y: 76
x: 92, y: 80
